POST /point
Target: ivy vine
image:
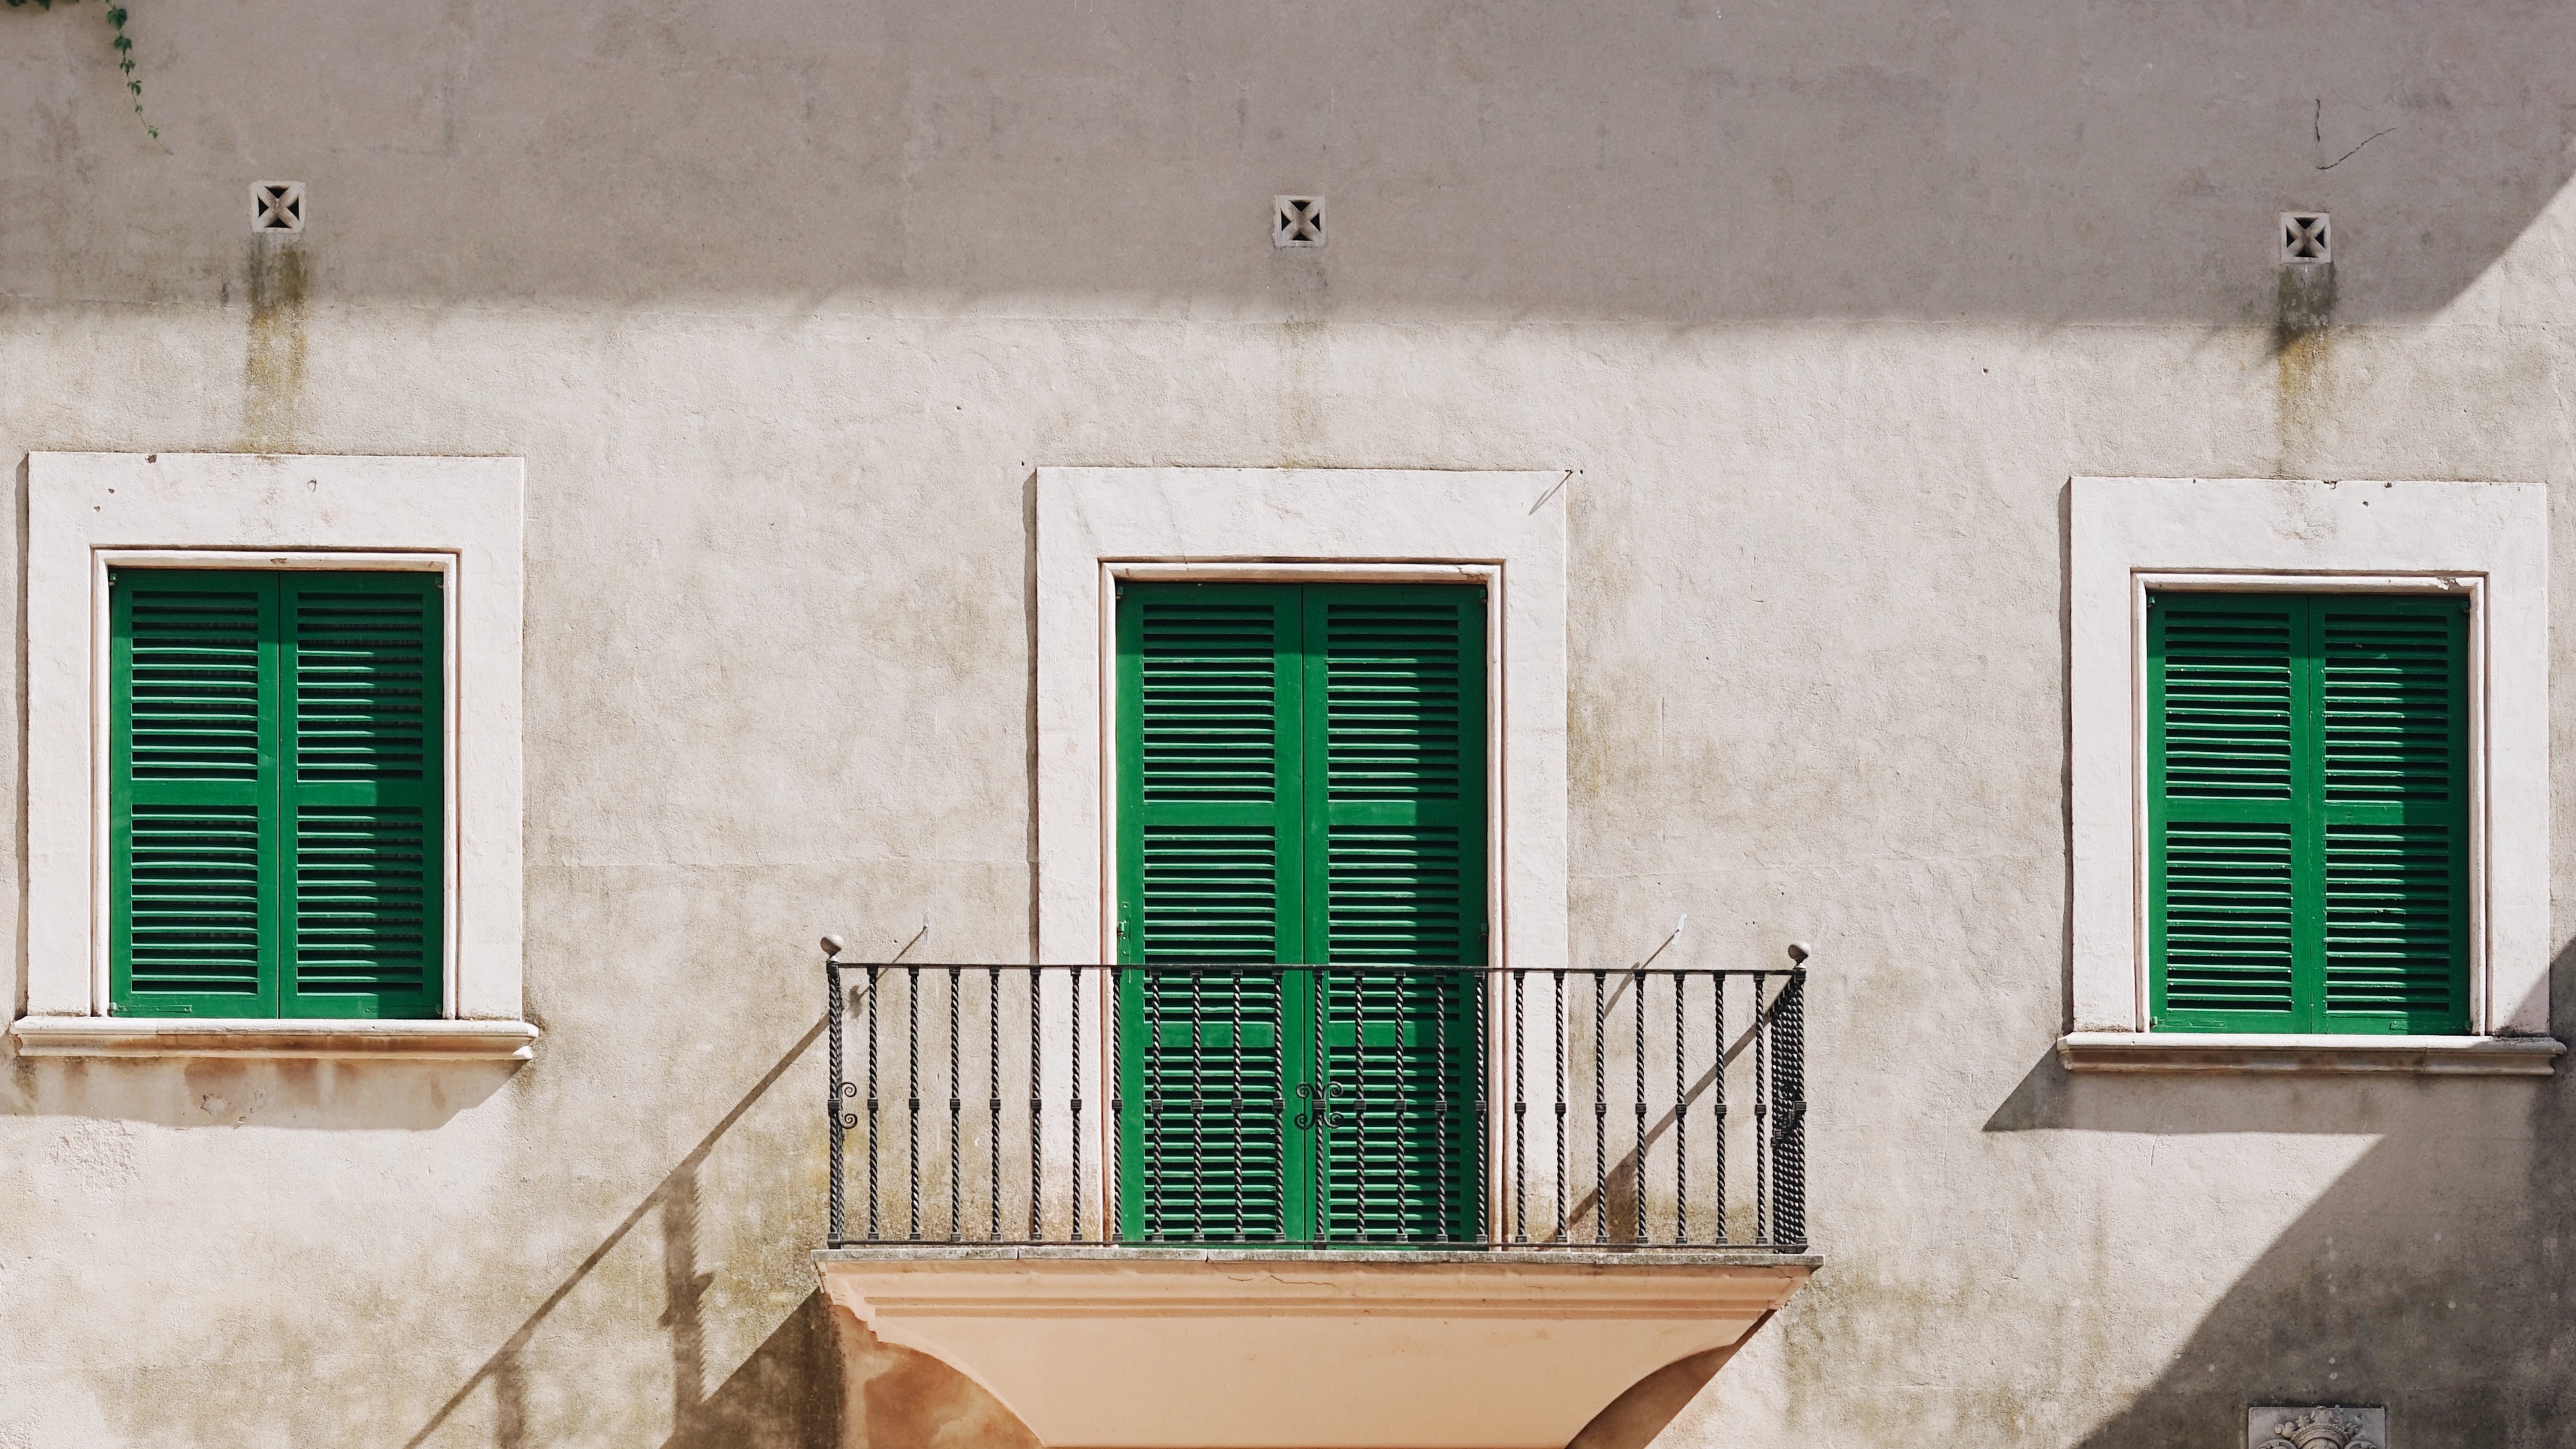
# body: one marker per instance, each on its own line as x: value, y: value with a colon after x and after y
x: 123, y: 44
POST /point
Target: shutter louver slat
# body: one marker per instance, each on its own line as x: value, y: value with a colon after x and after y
x: 2224, y: 830
x: 363, y: 887
x: 1402, y: 725
x: 2228, y: 917
x: 1205, y: 1066
x: 363, y: 682
x: 2307, y: 762
x: 2395, y: 740
x: 2389, y: 919
x: 189, y: 793
x: 195, y: 899
x: 2227, y: 704
x: 195, y: 685
x: 363, y: 794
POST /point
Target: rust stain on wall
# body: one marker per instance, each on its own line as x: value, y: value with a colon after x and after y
x: 273, y: 366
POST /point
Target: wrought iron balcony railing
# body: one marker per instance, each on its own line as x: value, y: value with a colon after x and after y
x: 1244, y: 1106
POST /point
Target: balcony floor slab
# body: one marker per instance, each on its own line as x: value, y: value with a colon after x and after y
x: 1104, y: 1347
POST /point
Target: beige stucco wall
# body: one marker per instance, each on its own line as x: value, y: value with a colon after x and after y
x: 783, y: 303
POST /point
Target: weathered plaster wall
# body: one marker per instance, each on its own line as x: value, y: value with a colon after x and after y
x: 783, y: 301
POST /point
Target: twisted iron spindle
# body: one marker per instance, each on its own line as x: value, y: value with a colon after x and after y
x: 993, y: 1086
x: 1037, y: 1101
x: 1761, y: 1115
x: 955, y: 1112
x: 1483, y: 1124
x: 1076, y: 1019
x: 1600, y: 1115
x: 1564, y: 1229
x: 1520, y: 1118
x: 1681, y: 1115
x: 1789, y: 1091
x: 1637, y: 1069
x: 912, y: 1065
x: 1717, y: 1103
x: 1198, y: 1106
x: 874, y: 973
x: 1439, y: 1108
x: 833, y: 1218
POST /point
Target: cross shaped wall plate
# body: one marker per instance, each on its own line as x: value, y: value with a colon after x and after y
x: 2307, y: 236
x: 1297, y: 221
x: 277, y: 206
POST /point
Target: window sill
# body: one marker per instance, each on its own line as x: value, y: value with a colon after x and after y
x: 2466, y: 1056
x: 101, y: 1036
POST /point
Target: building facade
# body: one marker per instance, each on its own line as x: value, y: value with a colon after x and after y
x: 530, y: 516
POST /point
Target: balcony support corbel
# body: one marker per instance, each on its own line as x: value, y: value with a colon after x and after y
x: 1126, y: 1348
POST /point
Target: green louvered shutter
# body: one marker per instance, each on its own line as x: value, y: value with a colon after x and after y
x: 1396, y: 781
x: 363, y: 796
x: 1210, y: 798
x: 192, y: 794
x: 275, y: 794
x: 2394, y: 695
x: 2307, y: 823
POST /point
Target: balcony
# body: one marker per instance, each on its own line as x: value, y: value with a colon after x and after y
x: 1302, y: 1207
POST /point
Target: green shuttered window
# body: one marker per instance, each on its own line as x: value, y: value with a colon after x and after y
x: 275, y: 800
x: 1302, y: 780
x: 2307, y: 761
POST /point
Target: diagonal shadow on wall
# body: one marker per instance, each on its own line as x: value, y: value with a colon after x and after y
x: 2429, y: 1277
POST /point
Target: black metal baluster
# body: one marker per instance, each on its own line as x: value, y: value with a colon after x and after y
x: 1037, y: 1101
x: 1717, y: 1104
x: 1481, y: 984
x: 955, y: 1113
x: 1111, y: 1063
x: 834, y: 1216
x: 873, y: 974
x: 1520, y: 1115
x: 1681, y: 1111
x: 1153, y: 1049
x: 1234, y: 1099
x: 1637, y: 1069
x: 1359, y: 1103
x: 1441, y: 1229
x: 1761, y: 1117
x: 1319, y: 1083
x: 1278, y: 1128
x: 993, y: 1082
x: 1600, y: 1113
x: 1564, y: 1229
x: 912, y: 1065
x: 1198, y: 1108
x: 1074, y: 1033
x: 1789, y: 1091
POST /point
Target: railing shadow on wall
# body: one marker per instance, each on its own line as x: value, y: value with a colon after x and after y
x: 2412, y: 1277
x: 804, y: 1336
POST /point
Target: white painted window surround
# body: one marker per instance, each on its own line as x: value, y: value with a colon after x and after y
x: 2487, y: 540
x: 87, y: 511
x: 1096, y: 526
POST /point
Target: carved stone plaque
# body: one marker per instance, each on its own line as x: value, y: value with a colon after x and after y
x: 2311, y: 1426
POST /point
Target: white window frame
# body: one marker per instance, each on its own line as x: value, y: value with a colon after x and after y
x: 2488, y: 541
x: 90, y: 512
x: 1096, y: 526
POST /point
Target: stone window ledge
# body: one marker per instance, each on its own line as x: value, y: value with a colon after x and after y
x: 2465, y: 1056
x: 99, y: 1036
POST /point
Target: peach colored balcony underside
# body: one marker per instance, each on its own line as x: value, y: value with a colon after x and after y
x: 1175, y: 1349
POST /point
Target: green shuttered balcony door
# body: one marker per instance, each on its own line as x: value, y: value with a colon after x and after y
x: 2308, y: 826
x: 1301, y: 777
x: 274, y: 796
